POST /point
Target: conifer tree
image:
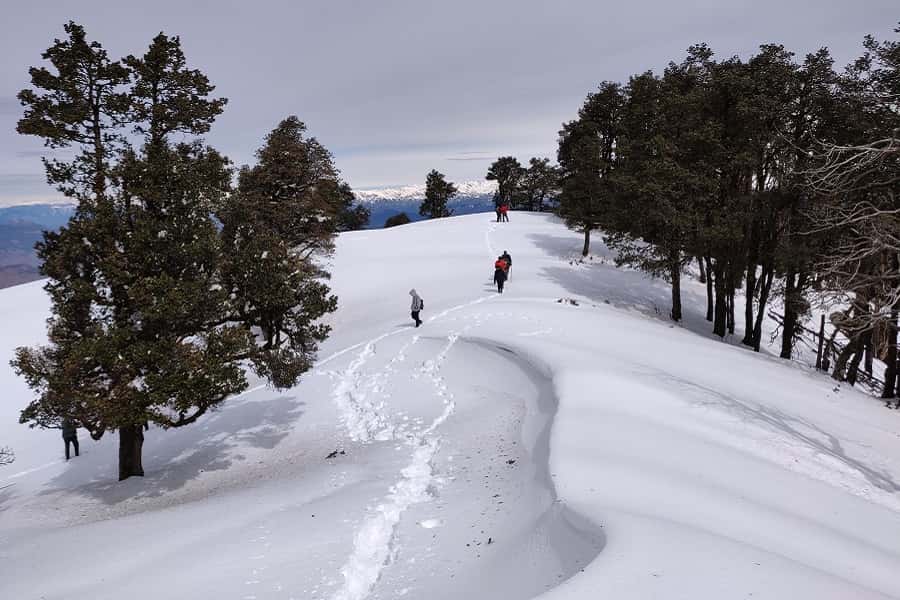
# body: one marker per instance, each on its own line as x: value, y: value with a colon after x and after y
x: 507, y: 172
x: 277, y: 227
x: 438, y: 191
x: 167, y: 97
x: 659, y: 175
x: 350, y: 217
x: 538, y: 184
x: 587, y: 158
x: 146, y: 327
x: 78, y: 103
x: 400, y: 219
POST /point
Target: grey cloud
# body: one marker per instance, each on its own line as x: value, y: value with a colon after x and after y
x: 9, y: 106
x: 400, y: 86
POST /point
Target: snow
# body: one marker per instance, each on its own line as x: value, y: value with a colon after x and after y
x: 563, y: 440
x: 417, y: 192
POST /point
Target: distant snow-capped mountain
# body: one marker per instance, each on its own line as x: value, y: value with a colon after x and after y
x: 465, y: 189
x: 383, y: 203
x: 21, y: 226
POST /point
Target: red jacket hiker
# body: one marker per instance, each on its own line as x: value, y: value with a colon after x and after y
x: 501, y: 264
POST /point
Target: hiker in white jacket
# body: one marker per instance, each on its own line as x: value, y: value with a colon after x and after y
x: 416, y: 306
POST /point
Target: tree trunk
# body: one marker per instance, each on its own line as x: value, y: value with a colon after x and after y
x: 99, y: 165
x: 748, y: 304
x: 853, y: 369
x: 675, y: 274
x: 867, y: 355
x: 767, y: 275
x: 131, y: 443
x: 890, y: 373
x: 790, y: 314
x: 709, y: 289
x: 730, y: 300
x: 587, y: 241
x: 840, y: 364
x: 795, y: 282
x: 700, y: 262
x: 720, y: 310
x: 829, y: 351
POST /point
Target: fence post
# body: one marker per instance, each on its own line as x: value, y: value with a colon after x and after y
x: 821, y: 343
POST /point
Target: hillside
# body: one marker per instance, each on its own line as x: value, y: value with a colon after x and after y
x: 563, y: 440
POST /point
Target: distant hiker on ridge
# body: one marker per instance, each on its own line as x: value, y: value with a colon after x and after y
x: 417, y: 305
x: 70, y: 436
x: 500, y: 274
x: 508, y: 259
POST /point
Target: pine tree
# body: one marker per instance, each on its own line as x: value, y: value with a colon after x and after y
x: 507, y: 172
x: 167, y: 97
x: 145, y: 326
x: 657, y: 179
x: 277, y: 227
x: 350, y: 217
x: 81, y: 105
x: 538, y: 184
x: 587, y: 158
x: 438, y: 192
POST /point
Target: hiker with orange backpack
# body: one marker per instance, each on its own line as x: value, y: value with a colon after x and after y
x: 499, y: 275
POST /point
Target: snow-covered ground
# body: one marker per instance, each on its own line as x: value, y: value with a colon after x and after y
x: 514, y: 446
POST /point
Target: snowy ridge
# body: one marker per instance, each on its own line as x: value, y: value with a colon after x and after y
x: 422, y: 463
x: 417, y: 192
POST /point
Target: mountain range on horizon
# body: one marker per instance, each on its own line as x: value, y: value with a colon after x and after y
x: 21, y: 225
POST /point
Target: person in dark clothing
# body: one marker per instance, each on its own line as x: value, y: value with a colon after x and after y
x: 499, y: 278
x: 417, y: 305
x: 70, y: 436
x: 497, y: 210
x: 506, y: 257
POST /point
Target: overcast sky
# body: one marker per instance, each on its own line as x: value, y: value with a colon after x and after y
x: 396, y: 88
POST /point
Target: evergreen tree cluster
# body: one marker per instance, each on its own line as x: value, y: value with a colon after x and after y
x: 168, y: 282
x: 533, y: 188
x: 767, y: 172
x: 398, y: 219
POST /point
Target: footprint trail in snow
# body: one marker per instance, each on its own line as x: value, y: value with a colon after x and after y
x: 375, y: 545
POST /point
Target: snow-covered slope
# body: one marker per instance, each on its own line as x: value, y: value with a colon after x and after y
x: 514, y: 446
